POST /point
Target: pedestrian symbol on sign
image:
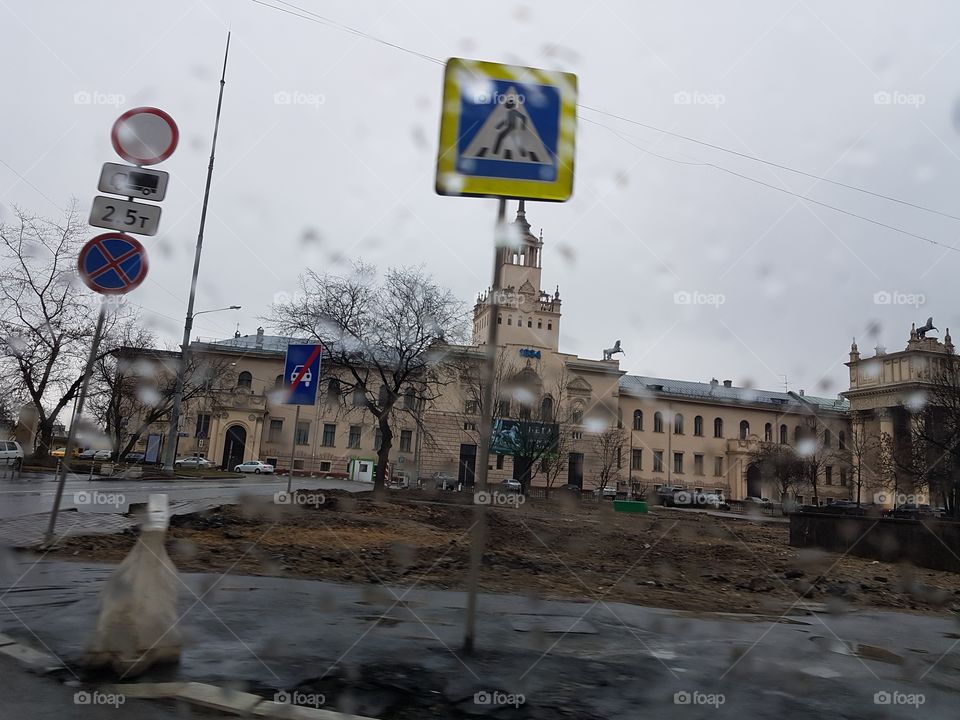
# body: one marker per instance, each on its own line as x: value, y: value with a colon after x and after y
x: 509, y: 133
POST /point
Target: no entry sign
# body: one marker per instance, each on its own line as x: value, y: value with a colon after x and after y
x: 113, y: 264
x: 145, y: 136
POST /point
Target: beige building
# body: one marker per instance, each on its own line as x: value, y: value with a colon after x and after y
x: 675, y: 432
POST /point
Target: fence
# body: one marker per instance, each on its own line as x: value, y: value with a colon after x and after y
x: 933, y: 544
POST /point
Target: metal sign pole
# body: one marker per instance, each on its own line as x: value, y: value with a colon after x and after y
x: 77, y: 412
x: 293, y: 448
x: 478, y: 533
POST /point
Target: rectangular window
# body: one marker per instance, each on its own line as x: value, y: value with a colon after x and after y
x: 298, y: 464
x: 658, y: 460
x: 636, y: 459
x: 577, y: 435
x: 406, y: 440
x: 829, y: 474
x: 378, y: 440
x: 303, y: 433
x: 678, y: 462
x: 698, y: 464
x: 471, y: 407
x: 353, y: 441
x: 359, y: 396
x: 718, y: 466
x: 469, y: 426
x: 329, y: 435
x: 276, y: 428
x: 499, y: 461
x: 203, y: 425
x: 324, y: 466
x: 503, y: 408
x: 843, y: 477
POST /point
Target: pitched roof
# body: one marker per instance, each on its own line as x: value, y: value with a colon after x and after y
x: 717, y: 392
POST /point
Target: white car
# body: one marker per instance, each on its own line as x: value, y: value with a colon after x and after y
x: 192, y: 462
x: 511, y: 485
x: 254, y: 466
x: 103, y: 455
x: 11, y: 453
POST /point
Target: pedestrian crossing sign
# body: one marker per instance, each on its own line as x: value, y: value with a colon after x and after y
x: 507, y: 131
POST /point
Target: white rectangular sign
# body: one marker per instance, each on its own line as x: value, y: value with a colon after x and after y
x: 126, y: 216
x: 141, y: 183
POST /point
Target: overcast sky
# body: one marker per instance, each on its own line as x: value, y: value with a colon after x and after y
x: 863, y: 93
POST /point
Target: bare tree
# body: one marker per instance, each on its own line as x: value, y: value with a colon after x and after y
x: 383, y: 340
x: 46, y: 317
x: 780, y: 466
x: 866, y: 456
x: 608, y: 447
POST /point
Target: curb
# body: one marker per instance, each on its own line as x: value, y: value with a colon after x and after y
x: 233, y: 702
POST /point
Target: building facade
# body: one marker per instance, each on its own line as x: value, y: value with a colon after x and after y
x: 674, y: 432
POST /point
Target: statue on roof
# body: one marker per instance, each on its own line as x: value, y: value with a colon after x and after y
x: 610, y: 352
x: 922, y: 331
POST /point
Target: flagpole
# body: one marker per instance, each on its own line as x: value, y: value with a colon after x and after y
x: 170, y: 454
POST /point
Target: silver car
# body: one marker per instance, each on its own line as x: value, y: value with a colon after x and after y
x: 187, y: 463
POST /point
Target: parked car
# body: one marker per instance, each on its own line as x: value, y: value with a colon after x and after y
x: 193, y: 462
x: 135, y: 457
x: 11, y: 453
x: 444, y: 481
x: 511, y: 485
x: 838, y: 507
x: 87, y: 454
x: 713, y: 501
x: 62, y: 451
x: 103, y: 455
x: 254, y: 466
x: 571, y: 490
x: 913, y: 511
x: 760, y: 501
x: 608, y: 491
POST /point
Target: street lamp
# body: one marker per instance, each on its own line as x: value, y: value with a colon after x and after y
x: 170, y: 453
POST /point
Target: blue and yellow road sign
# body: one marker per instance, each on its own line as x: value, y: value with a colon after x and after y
x: 507, y: 131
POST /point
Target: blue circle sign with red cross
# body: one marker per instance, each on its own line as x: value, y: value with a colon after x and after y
x: 113, y: 263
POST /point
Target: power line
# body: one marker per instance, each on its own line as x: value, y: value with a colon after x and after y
x: 322, y: 20
x: 755, y: 158
x: 805, y: 198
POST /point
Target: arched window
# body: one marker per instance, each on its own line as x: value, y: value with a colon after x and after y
x: 410, y: 399
x: 826, y: 437
x: 546, y: 409
x: 718, y: 427
x: 768, y: 433
x: 842, y: 440
x: 278, y: 381
x: 244, y: 380
x: 638, y: 419
x: 698, y: 426
x: 657, y: 422
x: 744, y: 429
x: 783, y: 434
x: 678, y: 424
x: 797, y: 434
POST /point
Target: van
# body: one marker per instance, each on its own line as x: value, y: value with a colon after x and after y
x: 11, y: 454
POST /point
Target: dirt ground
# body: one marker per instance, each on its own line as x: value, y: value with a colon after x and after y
x: 547, y: 549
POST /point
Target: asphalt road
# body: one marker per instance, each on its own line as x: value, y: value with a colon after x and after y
x: 32, y: 493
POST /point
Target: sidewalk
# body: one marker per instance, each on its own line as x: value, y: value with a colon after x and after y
x: 392, y: 653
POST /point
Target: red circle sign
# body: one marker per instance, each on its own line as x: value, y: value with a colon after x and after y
x: 112, y: 263
x: 144, y: 136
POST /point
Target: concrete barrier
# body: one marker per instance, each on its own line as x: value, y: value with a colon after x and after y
x: 931, y: 544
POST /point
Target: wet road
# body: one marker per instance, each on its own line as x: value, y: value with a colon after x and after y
x: 382, y: 650
x: 34, y: 492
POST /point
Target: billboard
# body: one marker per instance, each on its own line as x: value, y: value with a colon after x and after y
x: 524, y: 438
